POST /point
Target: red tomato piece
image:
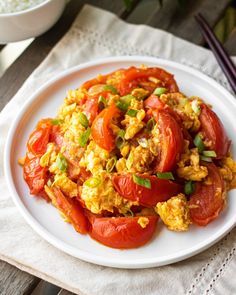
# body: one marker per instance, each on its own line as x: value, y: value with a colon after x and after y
x: 35, y: 175
x: 153, y: 102
x: 213, y: 130
x: 122, y: 232
x: 133, y: 76
x: 171, y: 140
x: 208, y: 200
x: 101, y: 131
x: 71, y: 208
x: 160, y: 191
x: 91, y: 108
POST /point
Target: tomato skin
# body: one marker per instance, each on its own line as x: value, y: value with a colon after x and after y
x: 35, y: 175
x: 133, y: 75
x: 101, y: 132
x: 72, y: 210
x: 122, y: 232
x: 209, y: 198
x: 171, y: 140
x: 153, y: 102
x: 161, y: 189
x: 213, y: 130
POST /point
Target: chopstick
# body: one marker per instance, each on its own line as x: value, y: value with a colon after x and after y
x: 218, y: 50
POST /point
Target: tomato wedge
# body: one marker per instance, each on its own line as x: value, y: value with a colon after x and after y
x: 35, y: 175
x: 101, y: 131
x: 171, y: 140
x: 160, y: 191
x: 133, y: 76
x: 71, y: 208
x: 208, y: 200
x: 122, y: 232
x: 213, y: 130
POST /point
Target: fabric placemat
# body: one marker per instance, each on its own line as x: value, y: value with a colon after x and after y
x: 95, y: 34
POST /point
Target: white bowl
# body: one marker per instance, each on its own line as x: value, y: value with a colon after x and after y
x: 31, y: 22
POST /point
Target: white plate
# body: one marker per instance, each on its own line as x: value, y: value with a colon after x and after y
x: 166, y: 246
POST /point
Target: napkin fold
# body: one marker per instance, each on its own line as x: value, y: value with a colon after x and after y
x: 95, y: 34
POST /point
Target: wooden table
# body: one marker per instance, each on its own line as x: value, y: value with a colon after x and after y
x: 170, y: 17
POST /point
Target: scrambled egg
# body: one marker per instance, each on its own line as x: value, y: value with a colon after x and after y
x: 104, y: 197
x: 94, y: 158
x: 175, y: 213
x: 66, y: 185
x: 228, y: 172
x: 189, y: 166
x: 143, y: 221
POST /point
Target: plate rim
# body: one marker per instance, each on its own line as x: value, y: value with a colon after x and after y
x: 81, y: 254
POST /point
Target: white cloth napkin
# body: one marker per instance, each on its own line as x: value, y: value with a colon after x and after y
x: 95, y: 34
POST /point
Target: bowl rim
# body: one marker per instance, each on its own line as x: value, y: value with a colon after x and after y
x: 25, y: 11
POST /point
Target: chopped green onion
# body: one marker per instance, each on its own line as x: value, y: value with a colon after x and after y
x: 56, y: 121
x: 165, y: 175
x: 196, y: 108
x: 102, y: 103
x: 83, y: 138
x: 120, y: 139
x: 110, y: 88
x: 92, y: 182
x: 128, y: 213
x: 142, y: 181
x: 159, y: 91
x: 111, y: 164
x: 199, y: 143
x: 132, y: 113
x: 127, y: 98
x: 150, y: 124
x: 143, y: 142
x: 61, y: 162
x: 122, y: 106
x: 189, y: 187
x: 83, y: 120
x: 130, y: 160
x: 206, y: 159
x: 49, y: 183
x: 211, y: 154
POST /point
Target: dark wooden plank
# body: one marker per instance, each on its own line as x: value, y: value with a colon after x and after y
x: 180, y: 21
x: 15, y: 282
x: 65, y: 292
x: 1, y: 47
x: 230, y: 44
x: 17, y: 73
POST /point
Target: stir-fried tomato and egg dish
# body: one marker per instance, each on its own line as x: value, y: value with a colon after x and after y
x: 127, y: 151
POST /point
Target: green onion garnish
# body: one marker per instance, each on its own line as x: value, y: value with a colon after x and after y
x: 165, y: 175
x: 122, y: 106
x: 142, y: 181
x: 56, y: 121
x: 128, y: 213
x: 83, y: 138
x: 127, y: 98
x: 150, y: 124
x: 92, y: 182
x: 49, y: 183
x: 159, y: 91
x: 143, y: 142
x: 199, y: 143
x: 120, y: 139
x: 189, y: 187
x: 83, y: 120
x: 110, y: 88
x: 196, y: 108
x: 111, y: 164
x: 102, y: 103
x: 206, y: 159
x: 61, y: 162
x: 132, y: 113
x: 211, y: 154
